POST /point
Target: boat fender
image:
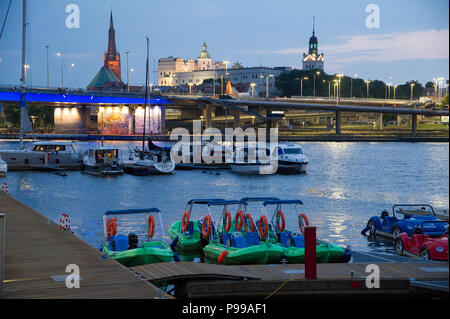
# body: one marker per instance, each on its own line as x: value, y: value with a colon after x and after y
x: 221, y: 257
x: 185, y: 221
x: 206, y: 221
x: 263, y: 231
x: 227, y: 221
x: 252, y: 223
x: 176, y: 257
x: 174, y: 243
x: 302, y: 222
x: 280, y: 217
x: 239, y: 220
x: 114, y: 226
x: 151, y: 226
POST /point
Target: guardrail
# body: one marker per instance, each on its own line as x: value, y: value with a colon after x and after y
x: 2, y: 251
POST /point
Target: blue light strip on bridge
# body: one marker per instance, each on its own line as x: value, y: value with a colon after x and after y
x: 83, y: 99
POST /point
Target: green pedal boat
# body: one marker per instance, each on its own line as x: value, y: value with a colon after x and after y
x: 127, y: 249
x: 236, y: 248
x: 186, y: 233
x: 293, y: 243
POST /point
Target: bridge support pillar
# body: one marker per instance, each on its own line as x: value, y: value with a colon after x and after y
x: 130, y: 120
x: 413, y: 124
x: 236, y: 118
x: 208, y: 113
x: 379, y: 121
x: 338, y: 122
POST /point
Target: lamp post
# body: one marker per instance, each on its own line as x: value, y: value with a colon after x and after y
x: 395, y: 86
x: 48, y: 75
x: 339, y: 86
x: 72, y: 65
x: 368, y: 82
x: 318, y: 73
x: 301, y: 85
x: 412, y: 86
x: 62, y: 69
x: 267, y: 76
x: 128, y: 73
x: 252, y: 85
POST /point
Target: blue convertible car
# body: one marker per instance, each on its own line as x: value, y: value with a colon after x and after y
x: 413, y: 215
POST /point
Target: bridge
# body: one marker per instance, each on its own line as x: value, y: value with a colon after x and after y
x: 267, y: 112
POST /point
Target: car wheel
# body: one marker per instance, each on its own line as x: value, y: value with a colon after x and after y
x: 399, y: 246
x: 372, y: 227
x: 396, y: 232
x: 424, y: 254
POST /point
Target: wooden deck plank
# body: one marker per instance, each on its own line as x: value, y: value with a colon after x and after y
x: 37, y: 249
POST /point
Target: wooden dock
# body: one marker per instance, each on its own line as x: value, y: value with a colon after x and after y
x: 194, y: 280
x: 38, y: 251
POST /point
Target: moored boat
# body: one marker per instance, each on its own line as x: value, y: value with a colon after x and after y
x: 238, y: 247
x: 3, y: 167
x: 293, y: 243
x: 102, y: 161
x: 247, y: 160
x: 291, y: 158
x: 127, y: 249
x: 43, y: 155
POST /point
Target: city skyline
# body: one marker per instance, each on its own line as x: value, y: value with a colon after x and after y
x: 411, y: 43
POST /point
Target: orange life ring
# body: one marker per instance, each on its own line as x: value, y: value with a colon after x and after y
x: 280, y: 216
x: 113, y: 226
x: 151, y: 226
x: 263, y: 232
x: 185, y: 221
x: 248, y: 217
x: 108, y: 228
x: 221, y: 256
x: 227, y: 222
x: 302, y: 218
x: 239, y: 220
x: 206, y: 220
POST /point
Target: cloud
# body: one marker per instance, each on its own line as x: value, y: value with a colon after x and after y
x: 425, y: 44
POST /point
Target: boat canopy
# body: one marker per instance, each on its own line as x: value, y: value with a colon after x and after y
x: 132, y: 211
x: 411, y: 212
x: 227, y: 202
x: 277, y: 202
x: 204, y: 200
x: 259, y: 199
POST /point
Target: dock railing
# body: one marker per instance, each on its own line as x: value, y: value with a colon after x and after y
x: 2, y: 251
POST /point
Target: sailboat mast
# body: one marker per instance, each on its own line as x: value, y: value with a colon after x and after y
x: 22, y: 103
x: 146, y: 96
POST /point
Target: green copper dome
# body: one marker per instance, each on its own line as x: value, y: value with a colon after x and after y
x: 204, y: 54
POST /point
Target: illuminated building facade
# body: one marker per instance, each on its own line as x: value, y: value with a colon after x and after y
x: 313, y: 60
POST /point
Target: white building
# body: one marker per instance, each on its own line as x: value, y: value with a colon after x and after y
x: 313, y: 60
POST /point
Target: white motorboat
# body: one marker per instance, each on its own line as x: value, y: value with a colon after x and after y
x: 3, y: 168
x: 291, y: 158
x: 102, y: 160
x: 150, y: 162
x: 43, y: 155
x: 246, y: 161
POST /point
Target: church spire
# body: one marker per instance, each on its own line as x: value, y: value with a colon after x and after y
x: 112, y: 58
x: 314, y: 18
x: 111, y: 24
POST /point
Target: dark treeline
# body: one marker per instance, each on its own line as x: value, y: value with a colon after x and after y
x: 289, y: 84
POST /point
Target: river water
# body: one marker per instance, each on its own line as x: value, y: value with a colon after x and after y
x: 345, y: 184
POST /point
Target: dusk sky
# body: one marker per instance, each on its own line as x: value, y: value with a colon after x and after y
x: 412, y: 41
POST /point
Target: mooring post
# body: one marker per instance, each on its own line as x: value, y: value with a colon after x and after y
x: 310, y: 252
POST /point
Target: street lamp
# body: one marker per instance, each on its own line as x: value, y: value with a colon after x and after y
x: 267, y: 76
x: 412, y: 86
x: 395, y: 86
x: 368, y: 82
x: 48, y: 76
x: 339, y: 86
x: 301, y: 85
x: 132, y: 71
x: 62, y: 69
x: 128, y: 73
x: 72, y: 65
x: 253, y: 88
x: 318, y: 73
